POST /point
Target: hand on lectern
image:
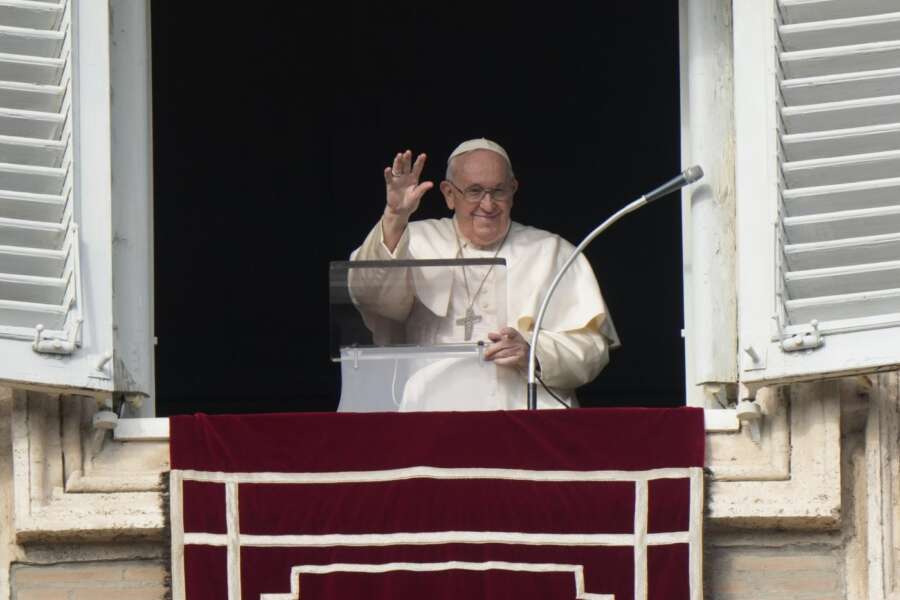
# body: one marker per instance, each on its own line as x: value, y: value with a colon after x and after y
x: 509, y: 348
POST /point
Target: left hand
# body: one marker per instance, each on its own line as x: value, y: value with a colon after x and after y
x: 509, y: 348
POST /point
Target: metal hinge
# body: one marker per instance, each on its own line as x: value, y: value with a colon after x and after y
x: 48, y: 345
x: 805, y: 340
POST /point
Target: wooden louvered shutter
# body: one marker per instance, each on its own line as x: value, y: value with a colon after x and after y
x: 64, y: 199
x: 819, y: 206
x: 39, y: 261
x: 841, y: 166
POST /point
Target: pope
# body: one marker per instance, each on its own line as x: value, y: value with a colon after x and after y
x: 479, y: 188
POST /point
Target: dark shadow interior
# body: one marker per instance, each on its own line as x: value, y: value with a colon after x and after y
x: 272, y: 126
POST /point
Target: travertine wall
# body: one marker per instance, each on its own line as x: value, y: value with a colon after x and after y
x: 788, y: 548
x: 81, y: 515
x: 773, y: 566
x: 113, y: 580
x: 809, y: 511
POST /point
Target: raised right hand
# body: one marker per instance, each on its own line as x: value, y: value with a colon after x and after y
x: 403, y: 188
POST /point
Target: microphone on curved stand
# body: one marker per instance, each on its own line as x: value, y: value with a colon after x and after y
x: 688, y: 176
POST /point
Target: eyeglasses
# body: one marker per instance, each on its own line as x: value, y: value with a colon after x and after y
x: 476, y: 193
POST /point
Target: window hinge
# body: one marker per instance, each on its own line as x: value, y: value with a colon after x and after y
x: 48, y: 345
x: 754, y: 359
x: 100, y: 370
x: 805, y: 340
x: 749, y: 412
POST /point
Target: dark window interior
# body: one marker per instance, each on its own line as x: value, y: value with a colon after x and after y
x: 272, y: 123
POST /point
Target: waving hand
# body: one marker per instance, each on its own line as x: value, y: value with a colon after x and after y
x: 404, y: 192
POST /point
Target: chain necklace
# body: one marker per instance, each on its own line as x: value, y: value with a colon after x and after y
x: 470, y: 318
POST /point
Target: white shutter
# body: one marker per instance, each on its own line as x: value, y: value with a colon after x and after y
x: 61, y: 323
x: 818, y: 186
x: 39, y: 266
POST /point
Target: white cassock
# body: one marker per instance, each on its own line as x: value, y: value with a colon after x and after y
x: 575, y: 338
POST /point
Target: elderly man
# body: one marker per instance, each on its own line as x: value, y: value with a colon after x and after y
x: 480, y: 188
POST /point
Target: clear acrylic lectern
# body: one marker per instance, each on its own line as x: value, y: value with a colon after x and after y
x: 408, y: 335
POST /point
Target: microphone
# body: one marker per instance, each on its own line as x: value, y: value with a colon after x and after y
x: 689, y: 175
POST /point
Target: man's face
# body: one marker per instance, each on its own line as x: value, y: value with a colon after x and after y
x: 483, y: 221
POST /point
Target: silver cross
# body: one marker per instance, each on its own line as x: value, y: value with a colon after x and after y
x: 468, y: 322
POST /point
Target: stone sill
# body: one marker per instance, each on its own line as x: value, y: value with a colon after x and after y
x: 150, y: 429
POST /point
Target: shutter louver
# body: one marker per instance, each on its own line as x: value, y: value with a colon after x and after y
x: 839, y: 235
x: 39, y: 263
x: 76, y: 296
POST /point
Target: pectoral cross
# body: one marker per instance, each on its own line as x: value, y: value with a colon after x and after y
x: 468, y: 322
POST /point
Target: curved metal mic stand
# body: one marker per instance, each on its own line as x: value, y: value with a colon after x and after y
x: 689, y: 176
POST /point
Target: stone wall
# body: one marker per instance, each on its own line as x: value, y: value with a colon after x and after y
x: 768, y: 535
x: 113, y: 580
x: 773, y: 566
x: 81, y: 512
x: 807, y: 510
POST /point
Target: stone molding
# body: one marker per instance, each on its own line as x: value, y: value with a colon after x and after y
x: 734, y: 456
x: 75, y: 483
x: 792, y: 478
x: 882, y: 496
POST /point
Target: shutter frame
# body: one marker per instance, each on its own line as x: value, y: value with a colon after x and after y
x: 112, y: 351
x: 818, y: 228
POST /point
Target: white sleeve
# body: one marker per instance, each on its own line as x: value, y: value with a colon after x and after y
x: 373, y: 247
x: 572, y: 358
x: 384, y: 292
